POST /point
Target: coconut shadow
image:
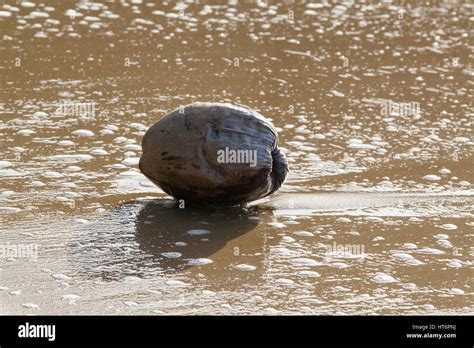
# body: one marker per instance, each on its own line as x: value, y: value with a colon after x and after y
x: 137, y: 237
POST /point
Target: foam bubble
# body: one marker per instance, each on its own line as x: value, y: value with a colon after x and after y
x: 199, y: 261
x: 456, y: 291
x: 40, y: 114
x: 70, y: 297
x: 432, y: 177
x: 402, y: 256
x: 131, y: 161
x: 454, y: 263
x: 99, y: 152
x: 340, y: 265
x: 305, y: 234
x: 26, y: 132
x: 73, y: 168
x: 66, y: 143
x: 374, y: 219
x: 172, y: 255
x: 409, y: 246
x: 288, y: 239
x: 276, y: 224
x: 278, y: 250
x: 72, y: 13
x: 414, y: 262
x: 197, y: 232
x: 284, y: 281
x: 133, y: 147
x: 430, y: 251
x: 245, y: 267
x: 4, y: 164
x: 39, y: 14
x: 52, y: 175
x: 175, y: 283
x: 83, y: 133
x: 383, y: 278
x: 303, y: 261
x: 448, y: 227
x: 27, y: 4
x: 309, y: 274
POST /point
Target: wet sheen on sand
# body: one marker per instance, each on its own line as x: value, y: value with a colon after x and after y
x: 82, y: 82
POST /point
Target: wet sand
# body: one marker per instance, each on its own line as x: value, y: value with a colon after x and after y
x: 373, y: 104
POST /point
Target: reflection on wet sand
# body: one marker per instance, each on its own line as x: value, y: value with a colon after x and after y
x: 147, y: 238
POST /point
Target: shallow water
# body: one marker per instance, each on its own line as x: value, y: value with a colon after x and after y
x: 81, y: 83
